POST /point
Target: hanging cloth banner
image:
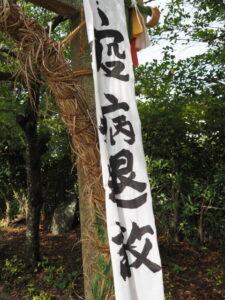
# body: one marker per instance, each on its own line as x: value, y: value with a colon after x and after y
x: 130, y: 222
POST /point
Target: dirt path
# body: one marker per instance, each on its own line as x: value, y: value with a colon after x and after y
x: 62, y: 257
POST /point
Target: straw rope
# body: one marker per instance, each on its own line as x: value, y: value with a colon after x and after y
x: 82, y: 72
x: 41, y: 55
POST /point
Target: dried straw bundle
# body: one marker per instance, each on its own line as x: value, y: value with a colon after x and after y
x: 41, y: 55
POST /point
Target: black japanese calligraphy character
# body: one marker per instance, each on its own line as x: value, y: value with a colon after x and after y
x: 141, y: 257
x: 112, y: 47
x: 121, y: 125
x: 104, y: 18
x: 103, y: 126
x: 122, y: 176
x: 114, y: 106
x: 112, y: 68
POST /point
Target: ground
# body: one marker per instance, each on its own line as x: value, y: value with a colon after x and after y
x: 191, y: 272
x: 58, y: 276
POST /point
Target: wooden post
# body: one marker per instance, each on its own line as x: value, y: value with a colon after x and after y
x: 81, y: 60
x: 65, y: 8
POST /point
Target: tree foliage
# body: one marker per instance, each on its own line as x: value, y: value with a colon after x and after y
x: 53, y: 142
x: 182, y: 109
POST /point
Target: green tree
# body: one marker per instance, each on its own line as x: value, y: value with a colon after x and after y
x: 22, y: 104
x: 182, y: 112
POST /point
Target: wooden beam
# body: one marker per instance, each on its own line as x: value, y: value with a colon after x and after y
x: 65, y: 8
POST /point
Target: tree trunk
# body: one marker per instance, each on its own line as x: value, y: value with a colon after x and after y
x: 201, y: 223
x: 8, y: 211
x: 28, y: 123
x: 176, y: 213
x: 81, y: 61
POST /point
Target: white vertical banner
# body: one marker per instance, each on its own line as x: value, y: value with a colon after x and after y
x: 130, y: 222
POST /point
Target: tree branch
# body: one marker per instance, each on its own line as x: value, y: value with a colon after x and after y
x: 66, y: 8
x: 55, y: 22
x: 4, y: 110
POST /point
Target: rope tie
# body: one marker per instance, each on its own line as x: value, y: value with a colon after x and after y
x: 155, y: 17
x: 82, y: 73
